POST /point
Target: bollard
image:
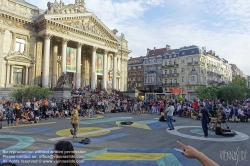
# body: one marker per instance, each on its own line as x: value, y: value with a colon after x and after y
x: 1, y: 126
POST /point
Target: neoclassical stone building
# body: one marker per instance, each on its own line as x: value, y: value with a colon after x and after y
x: 37, y: 46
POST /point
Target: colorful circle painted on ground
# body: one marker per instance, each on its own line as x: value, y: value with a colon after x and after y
x: 200, y: 132
x: 238, y: 137
x: 87, y: 130
x: 23, y: 142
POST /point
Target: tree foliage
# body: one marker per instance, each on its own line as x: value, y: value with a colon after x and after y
x: 239, y: 81
x: 207, y: 92
x: 235, y: 90
x: 30, y: 92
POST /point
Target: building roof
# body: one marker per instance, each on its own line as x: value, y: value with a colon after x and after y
x: 156, y: 52
x: 171, y: 54
x: 190, y: 50
x: 26, y: 3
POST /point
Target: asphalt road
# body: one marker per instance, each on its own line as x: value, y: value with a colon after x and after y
x: 146, y: 142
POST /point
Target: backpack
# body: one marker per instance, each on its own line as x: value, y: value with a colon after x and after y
x: 85, y: 141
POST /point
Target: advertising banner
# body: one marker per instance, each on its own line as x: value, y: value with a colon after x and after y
x: 99, y: 64
x: 71, y: 60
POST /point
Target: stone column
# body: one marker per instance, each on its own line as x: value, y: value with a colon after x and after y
x: 26, y: 75
x: 114, y: 70
x: 64, y: 49
x: 105, y: 69
x: 11, y: 74
x: 78, y: 65
x: 126, y: 75
x: 46, y: 61
x: 2, y: 79
x: 54, y: 72
x: 7, y: 75
x: 93, y: 74
x: 83, y: 69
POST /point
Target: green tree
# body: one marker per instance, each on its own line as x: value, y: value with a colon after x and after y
x: 232, y: 92
x: 240, y: 81
x: 207, y: 92
x: 30, y: 92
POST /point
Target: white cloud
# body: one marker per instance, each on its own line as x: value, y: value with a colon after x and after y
x: 222, y: 26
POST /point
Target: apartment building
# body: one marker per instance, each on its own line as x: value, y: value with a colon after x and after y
x: 236, y: 71
x: 190, y: 67
x: 136, y: 72
x: 153, y: 69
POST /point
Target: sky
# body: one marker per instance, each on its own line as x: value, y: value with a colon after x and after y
x: 220, y: 25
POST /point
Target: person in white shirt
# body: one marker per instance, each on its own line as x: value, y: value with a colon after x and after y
x: 228, y: 112
x: 170, y: 112
x: 241, y: 113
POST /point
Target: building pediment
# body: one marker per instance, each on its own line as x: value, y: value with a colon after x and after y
x: 76, y: 17
x: 19, y: 57
x: 86, y: 22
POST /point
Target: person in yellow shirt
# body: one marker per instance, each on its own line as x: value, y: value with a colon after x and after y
x: 75, y: 121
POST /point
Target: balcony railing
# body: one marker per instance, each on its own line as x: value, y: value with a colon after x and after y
x: 171, y: 75
x: 193, y: 63
x: 170, y: 66
x: 170, y: 84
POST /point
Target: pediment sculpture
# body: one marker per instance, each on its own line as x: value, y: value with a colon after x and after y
x: 61, y: 8
x: 87, y: 26
x: 19, y: 57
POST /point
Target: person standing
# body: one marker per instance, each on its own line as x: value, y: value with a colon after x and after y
x: 17, y: 113
x: 204, y: 120
x: 10, y: 114
x: 75, y: 120
x: 170, y: 112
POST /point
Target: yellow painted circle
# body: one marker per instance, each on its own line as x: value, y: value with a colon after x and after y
x: 66, y: 132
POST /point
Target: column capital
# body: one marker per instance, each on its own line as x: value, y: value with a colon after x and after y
x: 2, y: 31
x: 94, y: 48
x: 105, y: 52
x: 79, y: 44
x: 48, y: 36
x: 115, y: 54
x: 64, y: 41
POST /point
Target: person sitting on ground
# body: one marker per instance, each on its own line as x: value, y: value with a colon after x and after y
x: 234, y: 114
x: 25, y: 118
x: 107, y: 111
x: 221, y: 117
x: 1, y: 115
x: 191, y: 152
x: 185, y: 112
x: 64, y: 154
x: 228, y: 113
x: 246, y: 112
x: 241, y: 114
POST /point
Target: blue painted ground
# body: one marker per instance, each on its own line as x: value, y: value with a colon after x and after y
x: 36, y: 130
x: 48, y: 150
x: 95, y: 121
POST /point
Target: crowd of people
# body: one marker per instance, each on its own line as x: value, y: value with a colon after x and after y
x: 102, y: 102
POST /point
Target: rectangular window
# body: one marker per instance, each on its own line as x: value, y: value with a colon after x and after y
x: 192, y: 78
x: 182, y: 70
x: 20, y: 45
x: 17, y: 76
x: 182, y: 79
